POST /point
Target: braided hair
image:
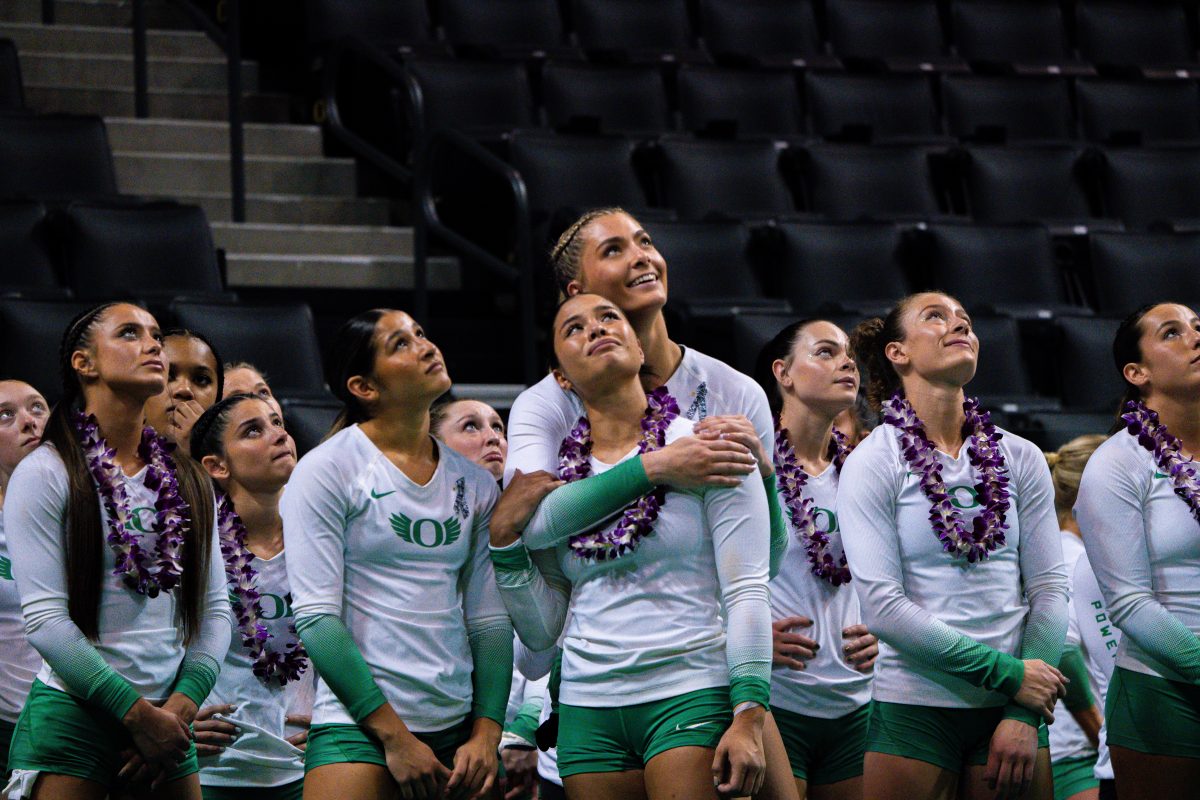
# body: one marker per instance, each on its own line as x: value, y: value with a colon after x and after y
x: 566, y: 257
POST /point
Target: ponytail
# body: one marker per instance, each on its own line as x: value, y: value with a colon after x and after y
x: 353, y: 353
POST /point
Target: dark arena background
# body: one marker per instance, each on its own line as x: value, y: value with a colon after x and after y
x: 1038, y: 160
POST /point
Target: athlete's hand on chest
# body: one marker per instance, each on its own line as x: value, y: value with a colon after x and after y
x: 516, y: 506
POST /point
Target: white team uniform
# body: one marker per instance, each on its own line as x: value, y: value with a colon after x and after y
x: 914, y: 595
x: 19, y: 662
x: 1067, y: 739
x: 828, y: 687
x: 400, y: 564
x: 1100, y: 640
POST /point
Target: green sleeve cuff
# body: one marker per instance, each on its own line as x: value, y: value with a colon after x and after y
x: 340, y: 663
x: 113, y: 693
x: 779, y: 532
x: 749, y: 689
x: 580, y: 505
x: 525, y: 723
x: 1022, y: 714
x: 492, y: 654
x: 1006, y: 675
x: 1079, y: 691
x: 197, y: 679
x: 510, y: 559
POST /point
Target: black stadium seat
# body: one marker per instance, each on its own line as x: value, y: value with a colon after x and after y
x: 707, y: 262
x: 739, y: 102
x: 880, y: 182
x: 478, y: 98
x: 1002, y: 379
x: 742, y: 179
x: 31, y: 331
x: 151, y: 251
x: 635, y: 30
x: 12, y: 92
x: 1135, y: 33
x: 25, y: 262
x: 308, y: 419
x: 864, y: 108
x: 1020, y: 35
x: 1016, y: 184
x: 995, y: 108
x: 1136, y: 112
x: 605, y: 99
x: 767, y: 32
x: 1131, y: 269
x: 279, y: 340
x: 1144, y: 186
x: 505, y: 28
x: 399, y: 24
x: 1088, y: 380
x: 905, y: 34
x: 55, y: 156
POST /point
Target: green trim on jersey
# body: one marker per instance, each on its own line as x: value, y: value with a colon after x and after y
x: 1079, y: 691
x: 525, y: 722
x: 1153, y: 715
x: 1074, y: 775
x: 340, y: 664
x: 750, y: 689
x: 492, y: 656
x: 197, y: 677
x: 289, y: 791
x: 824, y: 751
x: 950, y: 738
x: 59, y: 734
x: 779, y: 531
x: 341, y: 744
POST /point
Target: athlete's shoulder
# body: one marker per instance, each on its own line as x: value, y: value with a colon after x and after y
x: 544, y: 398
x: 720, y: 377
x: 1119, y: 456
x: 337, y: 457
x: 43, y: 465
x: 1024, y: 453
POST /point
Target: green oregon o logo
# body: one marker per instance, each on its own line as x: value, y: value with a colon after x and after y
x: 956, y: 493
x: 135, y: 519
x: 420, y: 526
x: 831, y: 520
x: 273, y: 606
x: 443, y: 533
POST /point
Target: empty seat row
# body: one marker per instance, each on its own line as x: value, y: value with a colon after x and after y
x: 56, y: 157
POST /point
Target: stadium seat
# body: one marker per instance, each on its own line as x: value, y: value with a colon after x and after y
x: 764, y: 32
x: 1051, y: 430
x: 401, y: 25
x: 1144, y: 186
x: 997, y: 109
x: 903, y: 34
x: 865, y: 108
x: 1151, y: 35
x: 1088, y: 381
x: 479, y: 98
x: 879, y: 182
x: 504, y: 28
x: 57, y: 156
x: 32, y: 331
x: 707, y: 262
x: 1131, y: 269
x: 280, y: 340
x: 739, y: 102
x: 25, y: 262
x: 153, y: 251
x: 12, y: 92
x: 857, y: 266
x: 1016, y: 184
x: 635, y: 30
x: 738, y: 179
x: 1002, y: 379
x: 1137, y: 112
x: 605, y: 99
x: 753, y: 328
x: 1021, y: 36
x: 308, y: 419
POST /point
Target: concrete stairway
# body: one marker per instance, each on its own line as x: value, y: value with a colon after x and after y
x: 306, y: 229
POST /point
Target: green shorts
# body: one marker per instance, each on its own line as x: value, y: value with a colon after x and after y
x: 823, y: 751
x: 1074, y: 775
x: 59, y: 734
x: 1153, y: 715
x: 951, y: 738
x: 621, y: 738
x: 288, y: 791
x: 335, y: 743
x: 6, y: 734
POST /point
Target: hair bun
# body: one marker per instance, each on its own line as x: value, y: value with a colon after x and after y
x: 1052, y: 459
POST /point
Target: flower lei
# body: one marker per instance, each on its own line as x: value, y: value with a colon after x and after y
x: 1151, y: 434
x: 268, y: 664
x: 802, y: 510
x: 983, y: 450
x: 172, y: 517
x: 637, y: 521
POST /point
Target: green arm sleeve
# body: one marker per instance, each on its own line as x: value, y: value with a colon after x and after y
x: 779, y: 533
x: 83, y: 669
x: 749, y: 688
x: 197, y: 677
x: 492, y: 654
x: 340, y: 663
x: 525, y: 724
x: 1079, y: 690
x: 580, y: 505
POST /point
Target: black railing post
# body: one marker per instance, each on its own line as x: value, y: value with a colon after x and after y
x: 47, y: 12
x: 141, y: 80
x: 420, y: 270
x: 237, y: 142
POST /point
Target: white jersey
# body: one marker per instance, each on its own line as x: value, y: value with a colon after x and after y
x: 828, y: 687
x: 913, y: 593
x: 547, y: 763
x: 400, y: 564
x: 261, y: 756
x: 1067, y: 739
x: 544, y: 414
x: 1144, y: 545
x: 19, y: 662
x: 648, y: 626
x: 1100, y: 640
x: 139, y: 636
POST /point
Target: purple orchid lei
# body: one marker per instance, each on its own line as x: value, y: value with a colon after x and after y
x: 983, y: 450
x: 1144, y: 425
x: 637, y: 521
x: 172, y: 517
x: 802, y: 511
x: 269, y: 665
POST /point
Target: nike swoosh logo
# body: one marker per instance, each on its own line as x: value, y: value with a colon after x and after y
x: 1161, y: 475
x: 375, y: 496
x: 692, y: 726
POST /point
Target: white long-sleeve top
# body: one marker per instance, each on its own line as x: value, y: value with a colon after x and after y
x: 928, y: 607
x: 19, y: 662
x: 829, y: 686
x: 1100, y: 640
x: 1144, y: 545
x: 1067, y: 739
x: 139, y: 637
x: 404, y: 566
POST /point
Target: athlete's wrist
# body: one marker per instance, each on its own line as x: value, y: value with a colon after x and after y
x: 487, y: 729
x: 136, y: 713
x: 749, y: 713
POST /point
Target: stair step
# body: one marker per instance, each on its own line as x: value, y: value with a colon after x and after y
x: 33, y: 38
x: 195, y: 136
x: 292, y: 209
x: 168, y: 173
x: 165, y: 103
x: 100, y: 13
x: 335, y: 272
x: 116, y: 71
x: 337, y: 240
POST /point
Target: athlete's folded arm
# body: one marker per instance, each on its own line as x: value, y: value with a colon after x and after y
x: 1111, y: 514
x: 489, y: 629
x: 535, y: 592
